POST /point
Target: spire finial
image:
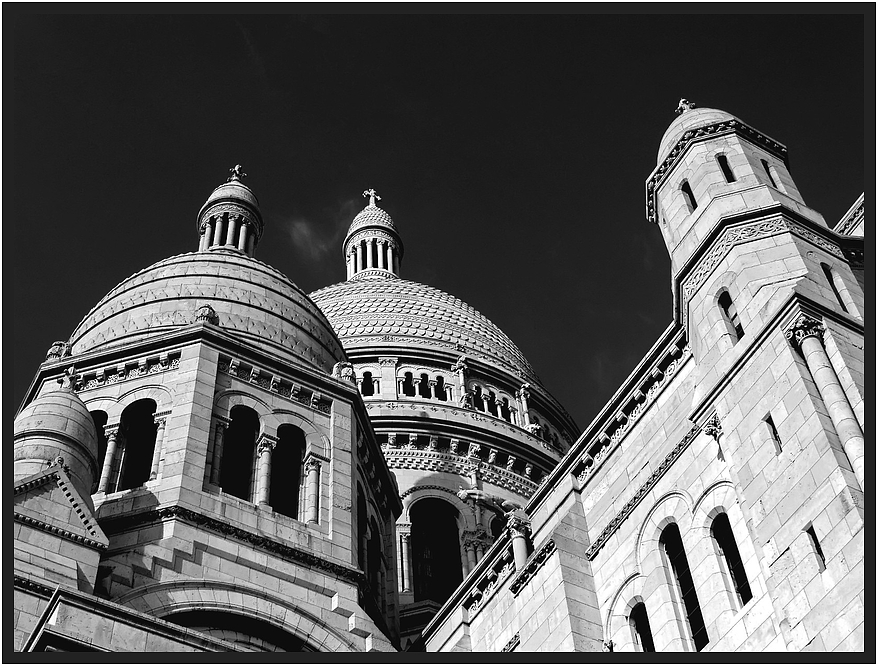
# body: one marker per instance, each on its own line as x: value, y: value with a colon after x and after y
x: 372, y: 194
x: 237, y: 174
x: 683, y: 106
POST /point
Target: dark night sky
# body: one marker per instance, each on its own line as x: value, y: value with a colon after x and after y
x: 511, y: 152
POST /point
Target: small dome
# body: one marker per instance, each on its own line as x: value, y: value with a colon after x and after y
x: 57, y: 424
x: 233, y: 190
x: 371, y: 216
x: 687, y: 121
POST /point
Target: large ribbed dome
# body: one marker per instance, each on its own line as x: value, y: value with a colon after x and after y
x: 255, y: 301
x: 687, y: 121
x: 372, y: 310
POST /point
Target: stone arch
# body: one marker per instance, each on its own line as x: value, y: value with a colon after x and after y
x: 226, y: 400
x: 673, y: 506
x: 315, y: 441
x: 115, y: 405
x: 717, y: 498
x: 416, y: 493
x: 166, y: 598
x: 618, y: 625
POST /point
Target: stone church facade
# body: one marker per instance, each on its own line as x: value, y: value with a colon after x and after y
x: 215, y: 460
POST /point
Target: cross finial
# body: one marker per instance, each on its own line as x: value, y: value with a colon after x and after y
x: 683, y: 106
x: 237, y: 174
x: 373, y: 195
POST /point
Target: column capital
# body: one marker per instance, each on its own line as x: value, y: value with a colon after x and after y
x: 804, y: 326
x: 405, y: 536
x: 713, y: 427
x: 312, y: 463
x: 265, y: 442
x: 111, y: 430
x: 518, y: 524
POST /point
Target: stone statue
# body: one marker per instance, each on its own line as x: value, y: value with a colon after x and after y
x: 59, y: 349
x: 237, y: 174
x: 344, y: 371
x: 68, y: 379
x: 466, y: 400
x: 207, y: 314
x: 534, y: 429
x: 502, y: 507
x: 372, y: 194
x: 683, y: 106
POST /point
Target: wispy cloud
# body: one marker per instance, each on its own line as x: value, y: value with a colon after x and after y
x: 318, y: 240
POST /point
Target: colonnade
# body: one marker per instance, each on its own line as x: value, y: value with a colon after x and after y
x: 372, y: 253
x: 229, y: 231
x: 109, y: 482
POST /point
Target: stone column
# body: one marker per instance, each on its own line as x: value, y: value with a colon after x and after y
x: 217, y: 452
x: 157, y: 450
x: 845, y: 295
x: 382, y: 254
x: 405, y: 560
x: 432, y: 383
x: 218, y: 229
x: 251, y: 243
x: 470, y: 547
x: 449, y: 391
x: 263, y: 479
x: 523, y: 396
x: 370, y: 254
x: 312, y: 490
x: 391, y: 259
x: 360, y: 265
x: 242, y: 236
x: 480, y: 551
x: 109, y: 457
x: 518, y: 525
x: 232, y: 234
x: 807, y: 334
x: 351, y: 258
x: 202, y: 237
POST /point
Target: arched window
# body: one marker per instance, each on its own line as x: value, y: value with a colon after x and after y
x: 408, y: 385
x: 721, y: 531
x: 367, y: 387
x: 730, y: 314
x: 688, y: 196
x: 725, y: 168
x: 424, y: 386
x: 491, y: 403
x: 640, y: 625
x: 286, y: 470
x: 138, y: 430
x: 505, y: 414
x: 497, y: 527
x: 838, y: 287
x: 435, y: 550
x: 441, y: 393
x: 675, y: 556
x: 768, y: 173
x: 239, y: 452
x: 478, y: 400
x: 248, y: 632
x: 100, y: 420
x: 376, y: 564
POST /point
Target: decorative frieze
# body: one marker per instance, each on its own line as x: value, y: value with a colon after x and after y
x: 640, y: 399
x: 648, y: 485
x: 492, y: 580
x: 126, y: 371
x: 513, y: 643
x: 278, y: 384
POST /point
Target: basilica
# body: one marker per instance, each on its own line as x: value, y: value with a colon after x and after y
x: 214, y: 460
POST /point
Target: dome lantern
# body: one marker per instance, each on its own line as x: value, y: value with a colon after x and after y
x: 372, y: 246
x: 230, y: 218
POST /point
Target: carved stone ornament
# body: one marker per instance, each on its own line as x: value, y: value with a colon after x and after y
x: 265, y: 444
x: 524, y: 392
x: 59, y: 349
x: 534, y: 429
x: 68, y: 379
x: 713, y: 428
x: 312, y: 463
x: 460, y: 364
x: 502, y: 507
x: 373, y: 196
x: 466, y: 400
x: 608, y: 646
x: 804, y: 327
x: 207, y: 314
x: 344, y: 371
x: 59, y: 462
x: 683, y: 106
x: 236, y: 173
x: 518, y: 524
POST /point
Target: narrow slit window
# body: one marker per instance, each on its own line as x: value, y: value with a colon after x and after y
x: 815, y: 542
x: 642, y: 632
x: 767, y: 168
x: 831, y: 278
x: 721, y: 531
x: 672, y: 544
x: 688, y: 196
x: 367, y: 386
x: 775, y: 437
x: 730, y: 313
x: 725, y: 168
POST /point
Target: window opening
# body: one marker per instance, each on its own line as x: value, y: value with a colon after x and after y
x: 478, y: 401
x: 435, y: 550
x: 441, y: 393
x: 689, y: 196
x: 367, y: 387
x: 831, y: 277
x: 100, y: 420
x: 424, y: 386
x: 640, y: 624
x: 239, y: 452
x: 672, y: 544
x: 286, y: 471
x: 725, y: 168
x: 730, y: 313
x: 138, y: 428
x: 768, y: 173
x: 408, y: 385
x: 815, y: 542
x: 491, y: 403
x: 721, y: 531
x: 775, y: 437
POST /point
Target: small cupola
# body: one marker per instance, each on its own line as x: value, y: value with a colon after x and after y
x: 372, y: 245
x: 230, y: 218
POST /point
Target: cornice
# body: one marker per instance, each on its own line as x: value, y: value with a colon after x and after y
x: 724, y: 128
x: 512, y: 643
x: 852, y: 218
x: 641, y: 492
x: 127, y: 522
x: 33, y: 586
x: 123, y: 372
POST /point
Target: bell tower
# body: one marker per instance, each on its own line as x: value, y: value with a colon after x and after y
x: 372, y: 246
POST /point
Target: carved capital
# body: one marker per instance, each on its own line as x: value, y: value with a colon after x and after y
x: 388, y: 361
x: 266, y: 443
x: 713, y: 427
x: 312, y: 463
x: 803, y: 327
x: 518, y: 524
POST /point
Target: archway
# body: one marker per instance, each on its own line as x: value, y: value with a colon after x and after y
x: 435, y: 549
